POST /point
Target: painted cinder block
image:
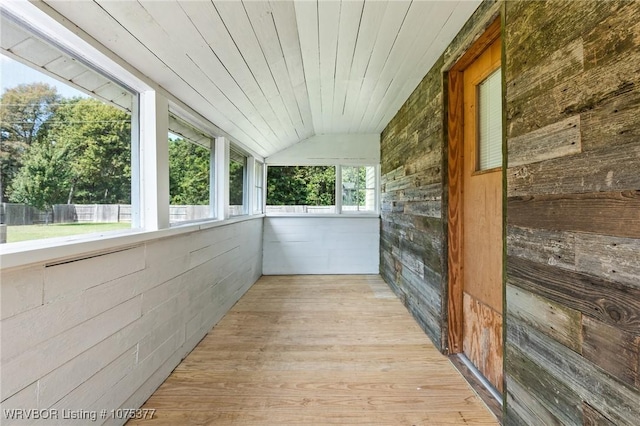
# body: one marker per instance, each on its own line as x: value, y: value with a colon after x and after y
x: 43, y: 358
x: 309, y: 245
x: 116, y: 395
x: 26, y: 399
x: 35, y: 326
x: 20, y: 290
x: 74, y: 276
x: 85, y: 394
x: 72, y: 374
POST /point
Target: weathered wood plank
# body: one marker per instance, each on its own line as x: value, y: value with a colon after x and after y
x: 397, y: 172
x: 577, y: 95
x: 558, y: 399
x: 417, y: 180
x: 614, y: 35
x: 613, y: 122
x: 593, y: 417
x: 612, y: 258
x: 556, y: 321
x: 591, y: 171
x: 536, y: 29
x: 555, y: 140
x: 616, y: 400
x: 615, y: 351
x: 523, y: 409
x: 610, y: 302
x: 482, y: 339
x: 424, y: 224
x: 561, y: 65
x: 424, y: 208
x: 556, y: 248
x: 604, y: 213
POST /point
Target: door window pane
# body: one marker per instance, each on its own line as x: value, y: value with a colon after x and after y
x: 490, y: 122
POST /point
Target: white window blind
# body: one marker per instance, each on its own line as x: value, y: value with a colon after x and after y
x: 490, y: 122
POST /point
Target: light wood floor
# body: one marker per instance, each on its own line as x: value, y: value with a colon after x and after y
x: 317, y: 350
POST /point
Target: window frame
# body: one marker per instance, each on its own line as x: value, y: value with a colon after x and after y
x: 339, y: 211
x: 188, y: 125
x: 129, y: 87
x: 259, y: 180
x: 365, y: 188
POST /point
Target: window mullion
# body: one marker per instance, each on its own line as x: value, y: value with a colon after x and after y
x: 154, y: 126
x: 222, y: 177
x: 338, y: 189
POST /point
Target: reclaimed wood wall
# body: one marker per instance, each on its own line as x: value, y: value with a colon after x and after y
x: 573, y: 212
x: 414, y: 214
x: 572, y: 71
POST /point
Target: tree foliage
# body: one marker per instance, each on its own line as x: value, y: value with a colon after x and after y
x: 236, y: 182
x: 42, y: 180
x: 188, y: 173
x: 24, y: 110
x: 82, y: 154
x: 87, y: 150
x: 301, y: 185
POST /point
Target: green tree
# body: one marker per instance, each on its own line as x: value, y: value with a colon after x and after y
x: 301, y: 185
x: 87, y: 154
x: 24, y: 110
x: 321, y: 186
x: 188, y: 173
x: 97, y: 139
x: 236, y: 183
x: 44, y: 177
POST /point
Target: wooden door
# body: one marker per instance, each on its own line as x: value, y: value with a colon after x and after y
x: 475, y: 207
x: 482, y: 221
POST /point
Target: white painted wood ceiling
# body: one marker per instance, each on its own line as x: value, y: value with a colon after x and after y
x: 273, y: 73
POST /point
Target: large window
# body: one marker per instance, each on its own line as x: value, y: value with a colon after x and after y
x: 301, y: 189
x: 312, y: 189
x: 237, y: 183
x: 66, y: 147
x: 190, y: 186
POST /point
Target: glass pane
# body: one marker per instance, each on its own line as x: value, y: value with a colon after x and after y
x: 358, y: 188
x: 189, y: 180
x: 490, y: 122
x: 237, y: 166
x: 65, y: 157
x: 301, y: 189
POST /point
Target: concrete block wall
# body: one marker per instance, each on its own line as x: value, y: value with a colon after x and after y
x: 321, y: 245
x: 103, y: 331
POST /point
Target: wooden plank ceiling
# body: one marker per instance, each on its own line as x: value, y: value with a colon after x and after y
x: 273, y: 73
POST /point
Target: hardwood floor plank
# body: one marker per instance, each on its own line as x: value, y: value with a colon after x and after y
x: 316, y: 350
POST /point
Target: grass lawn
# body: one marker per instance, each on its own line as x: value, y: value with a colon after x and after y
x: 35, y: 232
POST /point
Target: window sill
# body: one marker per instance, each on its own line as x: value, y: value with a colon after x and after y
x: 329, y: 215
x: 24, y: 253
